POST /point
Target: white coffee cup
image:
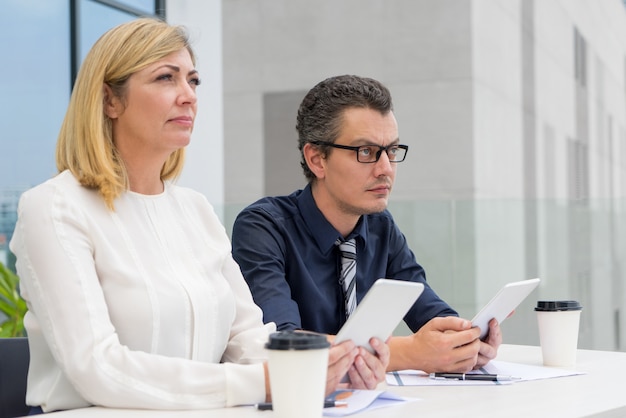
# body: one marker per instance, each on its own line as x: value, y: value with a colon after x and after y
x: 558, y: 331
x: 297, y: 365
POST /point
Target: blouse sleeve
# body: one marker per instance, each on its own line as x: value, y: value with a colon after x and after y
x: 69, y: 317
x: 247, y: 341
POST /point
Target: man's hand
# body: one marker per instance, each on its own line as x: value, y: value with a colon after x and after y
x: 340, y: 360
x: 368, y: 369
x: 489, y: 347
x: 447, y: 344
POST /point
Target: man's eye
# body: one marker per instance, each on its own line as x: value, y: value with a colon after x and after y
x: 392, y: 150
x: 366, y: 151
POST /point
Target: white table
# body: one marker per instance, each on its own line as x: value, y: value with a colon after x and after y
x: 601, y: 392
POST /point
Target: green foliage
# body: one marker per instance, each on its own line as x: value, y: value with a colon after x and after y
x: 11, y: 305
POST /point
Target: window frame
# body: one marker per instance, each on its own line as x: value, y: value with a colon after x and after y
x: 75, y: 59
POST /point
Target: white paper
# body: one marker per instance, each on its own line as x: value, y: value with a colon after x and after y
x: 359, y: 400
x: 420, y: 378
x: 521, y: 372
x: 527, y: 372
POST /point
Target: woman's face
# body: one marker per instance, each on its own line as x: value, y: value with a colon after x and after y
x: 157, y: 114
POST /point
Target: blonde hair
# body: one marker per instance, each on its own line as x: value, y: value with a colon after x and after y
x: 85, y: 143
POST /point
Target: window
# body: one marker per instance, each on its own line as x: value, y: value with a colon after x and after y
x: 35, y: 87
x: 578, y: 170
x: 48, y: 40
x: 580, y: 58
x: 91, y: 18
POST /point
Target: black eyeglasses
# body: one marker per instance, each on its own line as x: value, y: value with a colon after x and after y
x: 371, y: 153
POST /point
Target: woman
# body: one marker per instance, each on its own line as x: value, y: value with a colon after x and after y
x: 134, y: 299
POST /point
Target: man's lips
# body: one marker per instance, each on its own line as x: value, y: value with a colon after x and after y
x: 383, y: 188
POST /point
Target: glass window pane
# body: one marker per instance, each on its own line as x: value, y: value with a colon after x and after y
x: 94, y: 20
x: 146, y: 6
x: 34, y: 92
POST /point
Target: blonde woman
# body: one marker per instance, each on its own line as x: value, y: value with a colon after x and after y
x: 134, y: 299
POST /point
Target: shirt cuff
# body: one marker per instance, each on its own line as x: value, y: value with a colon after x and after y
x: 245, y: 384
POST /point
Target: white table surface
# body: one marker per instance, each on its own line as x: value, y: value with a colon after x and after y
x: 600, y: 392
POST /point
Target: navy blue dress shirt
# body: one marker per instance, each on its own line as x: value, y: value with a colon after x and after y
x: 287, y: 254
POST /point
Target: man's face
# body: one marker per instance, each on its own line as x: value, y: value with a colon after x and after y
x: 355, y: 188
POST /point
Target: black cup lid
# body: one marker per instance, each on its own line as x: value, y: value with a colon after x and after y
x: 296, y: 340
x: 558, y: 305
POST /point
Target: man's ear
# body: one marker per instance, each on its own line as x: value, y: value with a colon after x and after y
x: 315, y: 160
x: 111, y: 104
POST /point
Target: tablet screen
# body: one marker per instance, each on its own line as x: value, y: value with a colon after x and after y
x: 503, y: 303
x: 380, y: 311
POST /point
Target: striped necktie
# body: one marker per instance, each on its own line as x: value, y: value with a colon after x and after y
x: 347, y: 276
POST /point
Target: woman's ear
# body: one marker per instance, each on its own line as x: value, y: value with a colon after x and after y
x: 315, y: 160
x: 110, y: 103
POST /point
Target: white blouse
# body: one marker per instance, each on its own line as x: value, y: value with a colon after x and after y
x: 141, y: 307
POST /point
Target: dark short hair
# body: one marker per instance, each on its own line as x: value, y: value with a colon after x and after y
x: 321, y: 111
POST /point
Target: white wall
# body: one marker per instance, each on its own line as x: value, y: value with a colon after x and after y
x: 419, y: 49
x: 204, y: 169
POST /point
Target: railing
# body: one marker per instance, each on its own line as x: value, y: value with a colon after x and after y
x: 470, y: 248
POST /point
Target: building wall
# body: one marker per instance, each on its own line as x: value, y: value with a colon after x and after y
x: 516, y: 167
x: 204, y: 166
x: 419, y: 49
x: 551, y: 135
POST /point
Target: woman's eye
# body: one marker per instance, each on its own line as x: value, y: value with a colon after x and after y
x: 195, y: 81
x: 164, y: 77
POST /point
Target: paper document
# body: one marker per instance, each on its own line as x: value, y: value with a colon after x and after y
x: 521, y: 372
x: 420, y: 378
x: 360, y: 400
x: 526, y: 371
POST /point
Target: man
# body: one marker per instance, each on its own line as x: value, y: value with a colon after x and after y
x: 287, y: 246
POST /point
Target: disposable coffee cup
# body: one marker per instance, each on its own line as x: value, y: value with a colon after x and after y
x: 297, y: 366
x: 558, y: 331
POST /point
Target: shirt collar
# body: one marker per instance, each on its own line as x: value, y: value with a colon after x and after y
x: 324, y: 234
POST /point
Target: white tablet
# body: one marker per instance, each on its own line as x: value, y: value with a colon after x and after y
x: 503, y: 303
x: 380, y: 311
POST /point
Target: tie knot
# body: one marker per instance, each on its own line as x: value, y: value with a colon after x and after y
x: 347, y: 245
